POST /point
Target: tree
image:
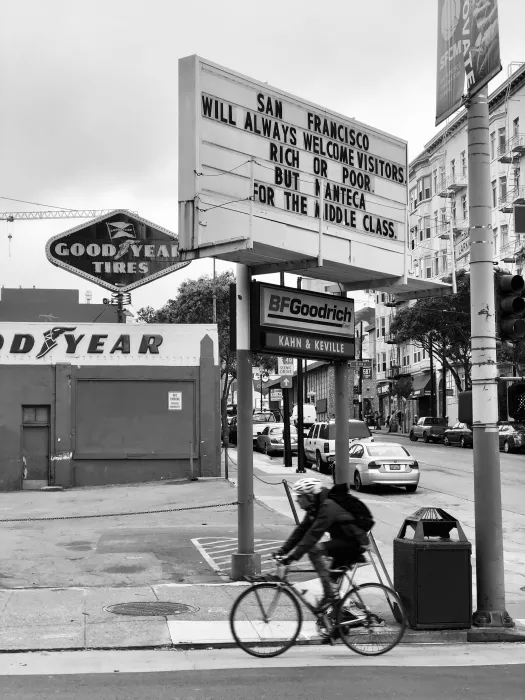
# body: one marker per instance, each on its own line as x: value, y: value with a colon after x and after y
x: 194, y: 304
x: 441, y: 325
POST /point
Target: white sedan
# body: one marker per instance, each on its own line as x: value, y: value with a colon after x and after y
x: 373, y: 464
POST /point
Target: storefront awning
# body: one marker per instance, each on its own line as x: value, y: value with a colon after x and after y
x: 420, y: 386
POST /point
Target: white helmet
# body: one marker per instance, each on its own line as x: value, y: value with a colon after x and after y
x: 307, y: 487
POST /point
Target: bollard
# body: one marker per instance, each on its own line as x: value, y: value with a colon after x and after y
x: 192, y: 475
x: 290, y: 500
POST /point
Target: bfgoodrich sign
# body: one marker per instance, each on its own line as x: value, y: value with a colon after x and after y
x: 103, y: 344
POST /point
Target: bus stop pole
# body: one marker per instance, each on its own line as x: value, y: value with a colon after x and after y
x: 244, y: 562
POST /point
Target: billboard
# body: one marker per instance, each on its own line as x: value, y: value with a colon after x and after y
x: 450, y: 67
x: 481, y: 43
x: 468, y: 48
x: 118, y: 251
x: 291, y: 322
x: 266, y: 178
x: 104, y: 344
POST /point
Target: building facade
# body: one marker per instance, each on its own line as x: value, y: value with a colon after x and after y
x: 439, y: 233
x: 85, y: 404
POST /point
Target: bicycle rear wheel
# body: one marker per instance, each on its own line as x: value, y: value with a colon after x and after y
x: 370, y: 619
x: 265, y: 620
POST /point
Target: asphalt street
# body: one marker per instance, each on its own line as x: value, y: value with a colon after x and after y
x: 263, y: 683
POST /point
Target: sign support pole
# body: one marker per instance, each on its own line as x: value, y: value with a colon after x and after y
x: 300, y: 410
x: 245, y: 562
x: 287, y: 454
x: 342, y: 467
x: 490, y: 575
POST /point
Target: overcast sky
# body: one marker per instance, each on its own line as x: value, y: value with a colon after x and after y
x: 88, y: 90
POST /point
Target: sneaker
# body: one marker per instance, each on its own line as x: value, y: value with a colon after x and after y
x: 325, y: 603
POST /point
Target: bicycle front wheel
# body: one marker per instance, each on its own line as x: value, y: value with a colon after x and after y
x: 370, y: 619
x: 265, y: 620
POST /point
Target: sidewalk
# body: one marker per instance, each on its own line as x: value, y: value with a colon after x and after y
x: 189, y: 598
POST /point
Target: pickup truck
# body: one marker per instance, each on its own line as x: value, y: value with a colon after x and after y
x: 429, y: 428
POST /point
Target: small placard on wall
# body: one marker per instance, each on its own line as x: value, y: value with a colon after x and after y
x: 175, y: 400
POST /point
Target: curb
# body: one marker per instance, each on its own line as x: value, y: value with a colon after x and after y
x: 412, y: 637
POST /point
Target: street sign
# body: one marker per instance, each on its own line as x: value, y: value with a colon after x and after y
x: 276, y: 394
x: 367, y: 372
x: 117, y: 251
x: 360, y: 363
x: 265, y: 376
x: 285, y: 366
x: 286, y: 382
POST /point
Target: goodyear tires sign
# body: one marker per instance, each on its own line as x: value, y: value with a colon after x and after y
x: 117, y: 251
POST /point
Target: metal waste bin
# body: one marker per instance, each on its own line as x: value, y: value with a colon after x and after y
x: 433, y: 572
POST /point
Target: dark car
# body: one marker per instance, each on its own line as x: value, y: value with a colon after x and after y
x: 511, y: 437
x: 460, y: 434
x: 271, y: 439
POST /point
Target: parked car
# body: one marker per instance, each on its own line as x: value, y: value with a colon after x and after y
x: 271, y: 439
x: 260, y: 421
x: 460, y: 434
x: 511, y: 437
x: 320, y: 441
x: 233, y: 430
x: 309, y: 416
x: 380, y: 463
x: 430, y: 428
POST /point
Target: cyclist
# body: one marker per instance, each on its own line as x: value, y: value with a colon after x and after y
x: 325, y: 512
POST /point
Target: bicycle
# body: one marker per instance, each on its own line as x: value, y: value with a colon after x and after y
x: 266, y: 618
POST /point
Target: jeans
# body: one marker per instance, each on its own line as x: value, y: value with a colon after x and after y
x: 342, y: 552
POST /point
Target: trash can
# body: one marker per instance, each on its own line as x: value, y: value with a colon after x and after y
x: 433, y: 571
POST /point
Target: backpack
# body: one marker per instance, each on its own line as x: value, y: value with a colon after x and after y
x: 362, y: 515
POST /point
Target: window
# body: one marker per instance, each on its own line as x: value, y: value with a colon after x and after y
x: 495, y: 241
x: 429, y: 271
x: 35, y: 414
x: 453, y: 209
x: 436, y: 265
x: 382, y: 321
x: 413, y: 199
x: 383, y: 298
x: 444, y: 267
x: 464, y: 206
x: 504, y: 236
x: 383, y: 361
x: 503, y: 187
x: 453, y: 169
x: 426, y: 187
x: 492, y: 145
x: 516, y: 126
x: 435, y: 222
x: 426, y: 223
x: 420, y: 230
x: 423, y: 353
x: 417, y: 356
x: 463, y: 158
x: 435, y: 176
x: 502, y: 137
x: 494, y: 194
x: 419, y: 190
x: 441, y: 176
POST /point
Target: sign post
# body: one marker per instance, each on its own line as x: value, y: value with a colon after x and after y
x: 285, y: 369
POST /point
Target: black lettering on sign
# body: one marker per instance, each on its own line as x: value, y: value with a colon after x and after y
x: 264, y: 194
x: 150, y: 343
x: 122, y: 345
x: 284, y: 156
x: 296, y: 202
x: 22, y: 343
x: 72, y: 342
x: 269, y: 106
x: 287, y: 178
x: 96, y: 344
x: 218, y: 110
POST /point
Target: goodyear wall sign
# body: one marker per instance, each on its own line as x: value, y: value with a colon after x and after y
x: 295, y: 323
x: 118, y: 251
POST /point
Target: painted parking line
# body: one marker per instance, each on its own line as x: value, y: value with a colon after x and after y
x: 217, y: 552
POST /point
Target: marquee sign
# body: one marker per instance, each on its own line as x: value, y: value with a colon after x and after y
x: 117, y: 251
x: 267, y: 177
x: 104, y: 344
x: 295, y: 323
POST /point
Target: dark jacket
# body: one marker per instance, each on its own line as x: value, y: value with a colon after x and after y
x: 325, y: 515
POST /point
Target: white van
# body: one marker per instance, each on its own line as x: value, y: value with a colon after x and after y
x: 309, y: 415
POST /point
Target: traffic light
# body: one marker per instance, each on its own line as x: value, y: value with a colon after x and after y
x: 510, y: 307
x: 516, y: 401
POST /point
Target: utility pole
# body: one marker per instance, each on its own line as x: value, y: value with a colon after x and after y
x: 490, y: 577
x: 432, y: 381
x: 342, y: 468
x: 300, y: 410
x: 214, y: 296
x: 244, y: 562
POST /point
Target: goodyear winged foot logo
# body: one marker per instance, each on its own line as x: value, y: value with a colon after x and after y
x: 50, y: 339
x: 121, y: 229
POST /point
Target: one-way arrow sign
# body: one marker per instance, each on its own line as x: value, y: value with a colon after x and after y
x: 286, y: 382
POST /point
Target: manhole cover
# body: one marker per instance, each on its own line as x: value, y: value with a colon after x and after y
x: 154, y: 608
